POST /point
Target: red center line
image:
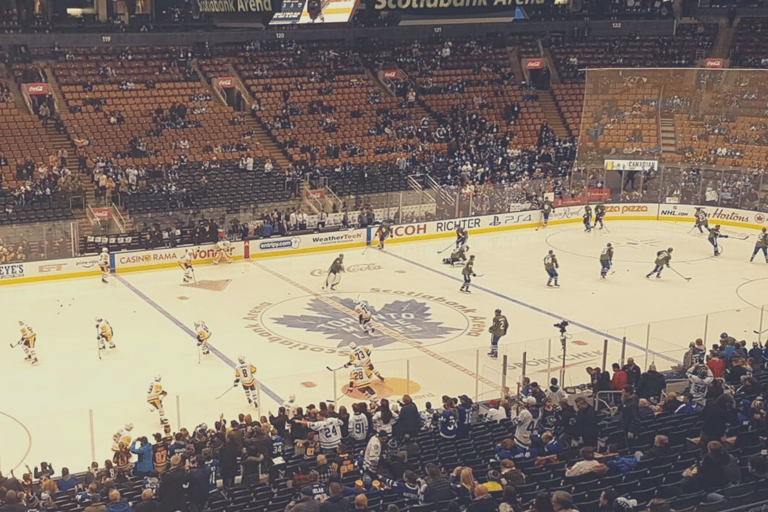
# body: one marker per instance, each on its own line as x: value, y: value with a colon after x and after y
x: 386, y: 330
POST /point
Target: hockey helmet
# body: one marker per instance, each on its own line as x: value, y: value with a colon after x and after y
x: 21, y: 322
x: 352, y: 345
x: 104, y: 249
x: 158, y: 377
x: 669, y: 249
x: 241, y: 359
x: 341, y: 256
x: 129, y: 426
x: 199, y: 323
x: 723, y: 335
x: 608, y: 244
x: 97, y: 319
x: 498, y: 311
x: 717, y: 226
x: 472, y: 257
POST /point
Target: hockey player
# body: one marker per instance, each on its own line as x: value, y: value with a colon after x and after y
x: 587, y: 218
x: 461, y: 236
x: 245, y: 372
x: 203, y: 335
x: 155, y: 396
x: 662, y: 258
x: 364, y: 316
x: 606, y: 259
x: 27, y: 341
x: 104, y: 334
x: 701, y: 220
x: 761, y: 245
x: 497, y: 330
x: 385, y: 229
x: 714, y: 234
x: 468, y: 272
x: 221, y: 250
x: 104, y: 264
x: 360, y: 380
x: 361, y: 357
x: 551, y: 266
x: 599, y: 214
x: 458, y: 255
x: 700, y: 377
x: 333, y: 277
x: 186, y: 265
x: 546, y: 209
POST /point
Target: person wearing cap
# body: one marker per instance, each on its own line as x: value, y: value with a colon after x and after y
x: 409, y: 488
x: 497, y: 330
x: 538, y: 393
x: 306, y: 502
x: 623, y: 505
x: 495, y: 413
x: 373, y: 452
x: 756, y: 353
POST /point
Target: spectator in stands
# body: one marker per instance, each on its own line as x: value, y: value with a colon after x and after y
x: 658, y: 505
x: 496, y: 413
x: 644, y: 409
x: 671, y: 404
x: 67, y: 481
x: 116, y: 504
x: 373, y: 452
x: 463, y: 484
x: 585, y: 427
x: 562, y: 501
x: 148, y: 502
x: 483, y: 501
x: 660, y: 448
x: 538, y: 393
x: 554, y: 392
x: 307, y: 502
x: 337, y: 502
x: 385, y: 418
x: 96, y: 505
x: 12, y: 503
x: 198, y: 483
x: 651, y: 384
x: 630, y: 415
x: 587, y: 465
x: 409, y: 422
x: 757, y: 468
x: 713, y: 472
x: 619, y: 378
x: 228, y: 460
x: 715, y: 417
x: 361, y: 502
x: 436, y: 488
x: 510, y: 475
x: 632, y: 371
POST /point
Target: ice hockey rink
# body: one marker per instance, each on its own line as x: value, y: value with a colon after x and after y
x: 430, y: 339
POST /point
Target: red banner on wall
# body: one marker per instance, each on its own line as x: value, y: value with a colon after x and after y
x: 714, y: 63
x: 534, y: 63
x: 598, y: 194
x: 390, y: 73
x: 103, y: 213
x: 226, y: 82
x: 35, y: 89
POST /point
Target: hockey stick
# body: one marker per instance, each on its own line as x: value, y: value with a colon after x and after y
x: 16, y: 344
x: 441, y: 252
x: 227, y: 391
x: 606, y: 228
x: 760, y: 332
x: 479, y: 275
x: 98, y: 345
x: 678, y: 273
x: 198, y: 354
x: 335, y: 369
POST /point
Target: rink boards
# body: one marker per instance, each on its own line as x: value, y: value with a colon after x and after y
x: 17, y: 273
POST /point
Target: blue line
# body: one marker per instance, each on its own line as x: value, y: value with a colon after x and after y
x: 535, y: 308
x: 178, y: 323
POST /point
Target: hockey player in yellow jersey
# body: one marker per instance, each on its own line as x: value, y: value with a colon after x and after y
x: 104, y: 333
x: 244, y: 373
x: 364, y: 316
x: 221, y: 250
x: 104, y: 264
x: 360, y: 357
x: 360, y: 380
x: 155, y: 397
x: 203, y: 335
x: 186, y: 266
x: 27, y: 342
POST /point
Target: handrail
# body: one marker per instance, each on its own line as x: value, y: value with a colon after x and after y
x: 118, y: 217
x: 90, y: 214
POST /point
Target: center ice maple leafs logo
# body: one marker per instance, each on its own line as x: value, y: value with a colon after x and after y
x: 410, y: 318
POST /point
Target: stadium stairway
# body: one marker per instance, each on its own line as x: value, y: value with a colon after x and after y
x: 667, y: 135
x: 514, y: 60
x: 552, y: 114
x: 270, y: 146
x: 722, y: 46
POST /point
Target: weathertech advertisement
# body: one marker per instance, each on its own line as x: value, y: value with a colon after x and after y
x: 314, y: 11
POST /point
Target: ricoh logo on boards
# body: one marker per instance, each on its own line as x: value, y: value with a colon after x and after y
x: 409, y: 230
x: 350, y: 269
x: 451, y: 225
x: 721, y: 215
x: 11, y: 271
x: 510, y: 219
x: 337, y: 239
